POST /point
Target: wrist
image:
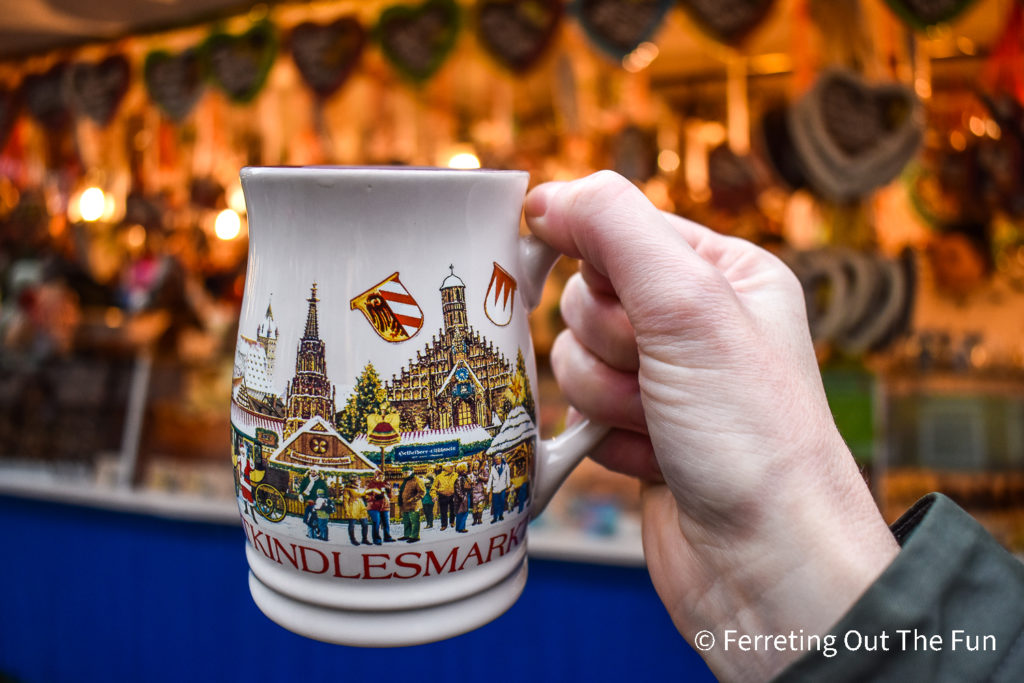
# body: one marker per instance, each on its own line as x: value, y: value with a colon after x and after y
x: 791, y: 559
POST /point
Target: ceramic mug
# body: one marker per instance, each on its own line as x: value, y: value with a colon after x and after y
x: 384, y: 406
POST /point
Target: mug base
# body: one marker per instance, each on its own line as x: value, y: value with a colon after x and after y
x: 389, y: 628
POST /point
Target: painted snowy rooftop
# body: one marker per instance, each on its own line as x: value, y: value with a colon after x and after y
x: 467, y: 434
x: 517, y: 428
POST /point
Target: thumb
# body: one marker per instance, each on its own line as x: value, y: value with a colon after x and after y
x: 609, y: 223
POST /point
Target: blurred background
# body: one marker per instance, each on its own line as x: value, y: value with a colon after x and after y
x: 877, y: 146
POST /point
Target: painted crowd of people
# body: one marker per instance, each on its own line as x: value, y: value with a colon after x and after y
x: 445, y: 496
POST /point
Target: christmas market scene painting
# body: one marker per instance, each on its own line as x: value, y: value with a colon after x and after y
x: 446, y: 444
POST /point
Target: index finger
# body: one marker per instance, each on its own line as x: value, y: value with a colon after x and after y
x: 606, y: 221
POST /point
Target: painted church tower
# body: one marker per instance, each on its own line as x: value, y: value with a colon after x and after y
x: 453, y: 302
x: 453, y: 308
x: 459, y: 379
x: 309, y: 393
x: 266, y: 336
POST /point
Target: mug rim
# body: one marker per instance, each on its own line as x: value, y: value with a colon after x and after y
x: 343, y: 170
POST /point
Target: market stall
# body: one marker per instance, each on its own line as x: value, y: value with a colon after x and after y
x: 876, y: 146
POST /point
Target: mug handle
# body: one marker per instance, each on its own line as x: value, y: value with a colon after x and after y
x: 556, y: 457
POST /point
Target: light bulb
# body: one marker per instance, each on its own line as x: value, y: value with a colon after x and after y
x: 228, y: 225
x: 92, y: 204
x: 464, y: 160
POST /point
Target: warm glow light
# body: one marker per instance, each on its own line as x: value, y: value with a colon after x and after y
x: 236, y: 200
x: 957, y: 140
x: 668, y: 160
x: 227, y: 225
x: 464, y: 160
x: 136, y: 236
x: 923, y: 88
x: 992, y: 129
x: 92, y: 204
x: 966, y: 45
x: 640, y: 58
x: 113, y: 316
x: 771, y: 63
x: 712, y: 133
x: 977, y: 126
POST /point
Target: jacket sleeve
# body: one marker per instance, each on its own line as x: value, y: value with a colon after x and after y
x: 951, y: 579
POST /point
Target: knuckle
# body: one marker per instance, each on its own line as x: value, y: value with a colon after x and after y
x: 570, y: 300
x: 561, y: 350
x: 597, y: 192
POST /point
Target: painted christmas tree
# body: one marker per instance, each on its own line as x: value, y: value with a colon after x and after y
x: 368, y: 398
x: 527, y: 400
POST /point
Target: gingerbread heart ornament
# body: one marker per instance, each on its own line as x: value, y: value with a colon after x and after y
x: 98, y: 88
x: 46, y: 99
x: 776, y: 147
x: 517, y: 33
x: 852, y: 137
x: 924, y: 13
x: 174, y: 82
x: 617, y: 27
x: 727, y: 21
x: 416, y: 39
x: 325, y: 55
x: 239, y: 64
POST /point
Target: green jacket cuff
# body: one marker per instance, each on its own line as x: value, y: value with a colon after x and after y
x: 950, y: 607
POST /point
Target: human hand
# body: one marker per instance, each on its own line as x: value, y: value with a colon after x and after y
x: 694, y: 347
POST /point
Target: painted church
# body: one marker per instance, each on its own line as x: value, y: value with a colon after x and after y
x: 309, y: 438
x: 254, y: 370
x: 458, y: 379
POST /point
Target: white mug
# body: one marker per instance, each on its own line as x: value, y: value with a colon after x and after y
x: 384, y: 370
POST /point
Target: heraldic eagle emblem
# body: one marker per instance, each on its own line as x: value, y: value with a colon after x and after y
x: 390, y: 310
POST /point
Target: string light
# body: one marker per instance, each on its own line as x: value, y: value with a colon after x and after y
x: 668, y: 160
x: 228, y: 225
x: 465, y: 160
x: 236, y: 200
x: 640, y: 58
x: 135, y: 236
x: 92, y: 204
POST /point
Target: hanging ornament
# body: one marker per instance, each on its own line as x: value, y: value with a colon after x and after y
x: 727, y: 21
x: 517, y: 33
x: 617, y: 27
x: 938, y: 187
x: 239, y: 64
x: 733, y: 180
x: 9, y: 106
x: 635, y: 153
x: 920, y: 14
x: 775, y: 143
x: 416, y: 39
x: 853, y: 137
x: 46, y: 98
x: 98, y: 88
x: 327, y: 54
x: 1000, y: 162
x: 174, y: 81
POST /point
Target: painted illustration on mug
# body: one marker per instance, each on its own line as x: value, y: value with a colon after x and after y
x: 390, y: 309
x: 444, y: 445
x: 500, y: 300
